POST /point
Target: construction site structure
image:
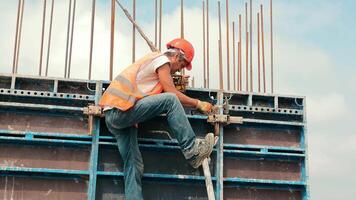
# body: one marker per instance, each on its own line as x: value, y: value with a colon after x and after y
x: 54, y: 146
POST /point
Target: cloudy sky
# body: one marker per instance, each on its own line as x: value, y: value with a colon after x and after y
x: 314, y: 46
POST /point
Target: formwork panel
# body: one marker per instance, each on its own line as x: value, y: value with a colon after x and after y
x: 31, y: 156
x: 261, y: 194
x: 43, y: 123
x: 262, y: 169
x: 109, y: 188
x: 42, y: 189
x: 163, y: 161
x: 262, y: 135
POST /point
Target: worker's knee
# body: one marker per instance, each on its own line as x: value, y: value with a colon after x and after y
x: 171, y: 97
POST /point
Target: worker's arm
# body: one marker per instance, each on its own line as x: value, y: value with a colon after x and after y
x: 165, y: 78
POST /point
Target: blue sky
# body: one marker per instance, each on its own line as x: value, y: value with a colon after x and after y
x: 314, y: 51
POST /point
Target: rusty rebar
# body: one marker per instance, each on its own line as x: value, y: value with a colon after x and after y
x: 263, y: 51
x: 246, y: 19
x: 221, y: 75
x: 233, y: 53
x: 16, y: 35
x: 42, y: 36
x: 112, y: 38
x: 181, y: 18
x: 19, y: 39
x: 258, y: 52
x: 71, y: 39
x: 251, y: 71
x: 133, y: 31
x: 160, y: 25
x: 91, y: 37
x: 271, y: 29
x: 239, y: 66
x: 204, y: 58
x: 156, y: 23
x: 49, y: 38
x: 240, y: 53
x: 227, y: 45
x: 207, y: 45
x: 68, y: 30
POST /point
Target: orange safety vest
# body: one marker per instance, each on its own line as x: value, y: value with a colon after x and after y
x: 122, y: 92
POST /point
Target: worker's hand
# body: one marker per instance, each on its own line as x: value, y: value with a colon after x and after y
x: 204, y: 107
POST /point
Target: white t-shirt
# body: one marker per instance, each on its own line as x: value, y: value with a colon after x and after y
x: 147, y: 77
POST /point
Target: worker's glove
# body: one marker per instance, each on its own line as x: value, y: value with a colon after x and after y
x: 204, y: 107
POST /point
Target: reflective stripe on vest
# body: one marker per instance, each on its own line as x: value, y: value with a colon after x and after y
x: 123, y: 92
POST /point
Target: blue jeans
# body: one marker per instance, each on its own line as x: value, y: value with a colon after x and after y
x: 121, y: 125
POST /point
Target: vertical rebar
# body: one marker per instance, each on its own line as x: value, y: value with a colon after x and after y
x: 160, y: 25
x: 272, y: 88
x: 227, y: 45
x: 258, y: 52
x: 49, y: 38
x: 181, y: 19
x: 19, y: 40
x: 251, y: 75
x: 91, y: 37
x: 156, y: 23
x: 239, y: 66
x: 204, y: 58
x: 240, y: 53
x: 42, y: 36
x: 16, y: 35
x: 221, y: 75
x: 112, y: 38
x: 263, y: 51
x: 71, y: 39
x: 68, y: 27
x: 182, y: 26
x: 246, y: 19
x: 233, y: 54
x: 133, y: 31
x: 207, y: 45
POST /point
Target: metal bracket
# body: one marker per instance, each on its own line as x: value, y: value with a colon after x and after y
x: 224, y: 119
x: 93, y: 110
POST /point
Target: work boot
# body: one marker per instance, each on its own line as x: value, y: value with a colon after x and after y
x: 203, y: 149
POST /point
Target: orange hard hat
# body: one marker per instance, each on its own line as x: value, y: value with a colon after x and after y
x: 186, y: 47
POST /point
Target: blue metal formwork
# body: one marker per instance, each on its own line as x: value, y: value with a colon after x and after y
x: 50, y: 150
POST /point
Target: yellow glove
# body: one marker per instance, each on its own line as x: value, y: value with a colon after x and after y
x: 204, y: 107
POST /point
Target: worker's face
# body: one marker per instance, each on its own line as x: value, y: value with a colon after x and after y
x: 177, y: 65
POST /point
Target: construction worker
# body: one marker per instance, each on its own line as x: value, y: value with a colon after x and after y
x: 136, y: 96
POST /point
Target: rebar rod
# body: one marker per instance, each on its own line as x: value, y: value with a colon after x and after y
x: 181, y: 18
x: 233, y: 53
x: 160, y: 25
x: 42, y: 36
x: 19, y: 37
x: 71, y: 39
x: 156, y: 23
x: 227, y: 45
x: 207, y: 46
x: 91, y: 37
x: 112, y: 38
x: 271, y: 29
x: 263, y: 51
x: 246, y: 19
x: 258, y: 52
x: 251, y: 71
x: 221, y: 75
x: 133, y: 31
x: 49, y: 38
x: 16, y: 35
x: 240, y: 53
x: 204, y: 47
x: 68, y: 27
